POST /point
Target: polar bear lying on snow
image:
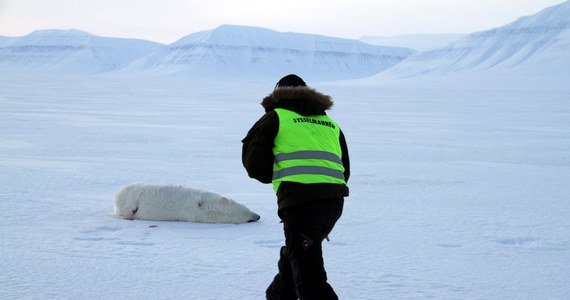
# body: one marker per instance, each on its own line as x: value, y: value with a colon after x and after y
x: 179, y: 203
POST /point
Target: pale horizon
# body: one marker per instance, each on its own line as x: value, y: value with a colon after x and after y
x: 167, y: 22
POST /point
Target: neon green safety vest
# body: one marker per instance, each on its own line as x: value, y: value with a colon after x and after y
x: 307, y: 150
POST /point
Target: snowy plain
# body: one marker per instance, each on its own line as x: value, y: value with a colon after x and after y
x: 458, y: 190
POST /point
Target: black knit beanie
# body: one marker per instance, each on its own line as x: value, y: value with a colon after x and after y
x: 290, y: 80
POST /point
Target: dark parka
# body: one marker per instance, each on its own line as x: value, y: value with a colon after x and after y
x: 257, y: 152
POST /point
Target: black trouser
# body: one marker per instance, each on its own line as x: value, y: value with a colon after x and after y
x: 301, y: 266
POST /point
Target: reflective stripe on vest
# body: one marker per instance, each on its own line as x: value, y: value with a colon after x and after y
x: 307, y: 150
x: 308, y: 155
x: 302, y: 170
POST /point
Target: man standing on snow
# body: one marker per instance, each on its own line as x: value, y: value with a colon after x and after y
x: 303, y: 152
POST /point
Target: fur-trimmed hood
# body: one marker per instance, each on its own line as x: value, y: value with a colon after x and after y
x: 300, y: 99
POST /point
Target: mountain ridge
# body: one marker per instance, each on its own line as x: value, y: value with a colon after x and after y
x: 418, y: 42
x: 69, y: 51
x: 234, y: 51
x: 537, y: 45
x: 226, y: 51
x: 533, y: 44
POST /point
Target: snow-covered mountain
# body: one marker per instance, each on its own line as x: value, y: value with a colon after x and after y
x: 418, y: 42
x: 537, y: 44
x: 69, y: 52
x: 240, y: 51
x: 6, y: 39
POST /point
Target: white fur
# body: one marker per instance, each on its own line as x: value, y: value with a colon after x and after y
x: 179, y: 203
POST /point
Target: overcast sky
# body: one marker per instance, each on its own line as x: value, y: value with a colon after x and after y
x: 166, y: 21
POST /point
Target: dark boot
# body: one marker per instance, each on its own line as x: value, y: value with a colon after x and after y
x: 305, y: 229
x: 282, y: 287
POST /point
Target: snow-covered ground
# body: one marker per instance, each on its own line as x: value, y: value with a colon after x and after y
x: 457, y: 192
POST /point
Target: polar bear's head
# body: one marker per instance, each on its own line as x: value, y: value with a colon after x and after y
x: 225, y: 210
x: 127, y: 201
